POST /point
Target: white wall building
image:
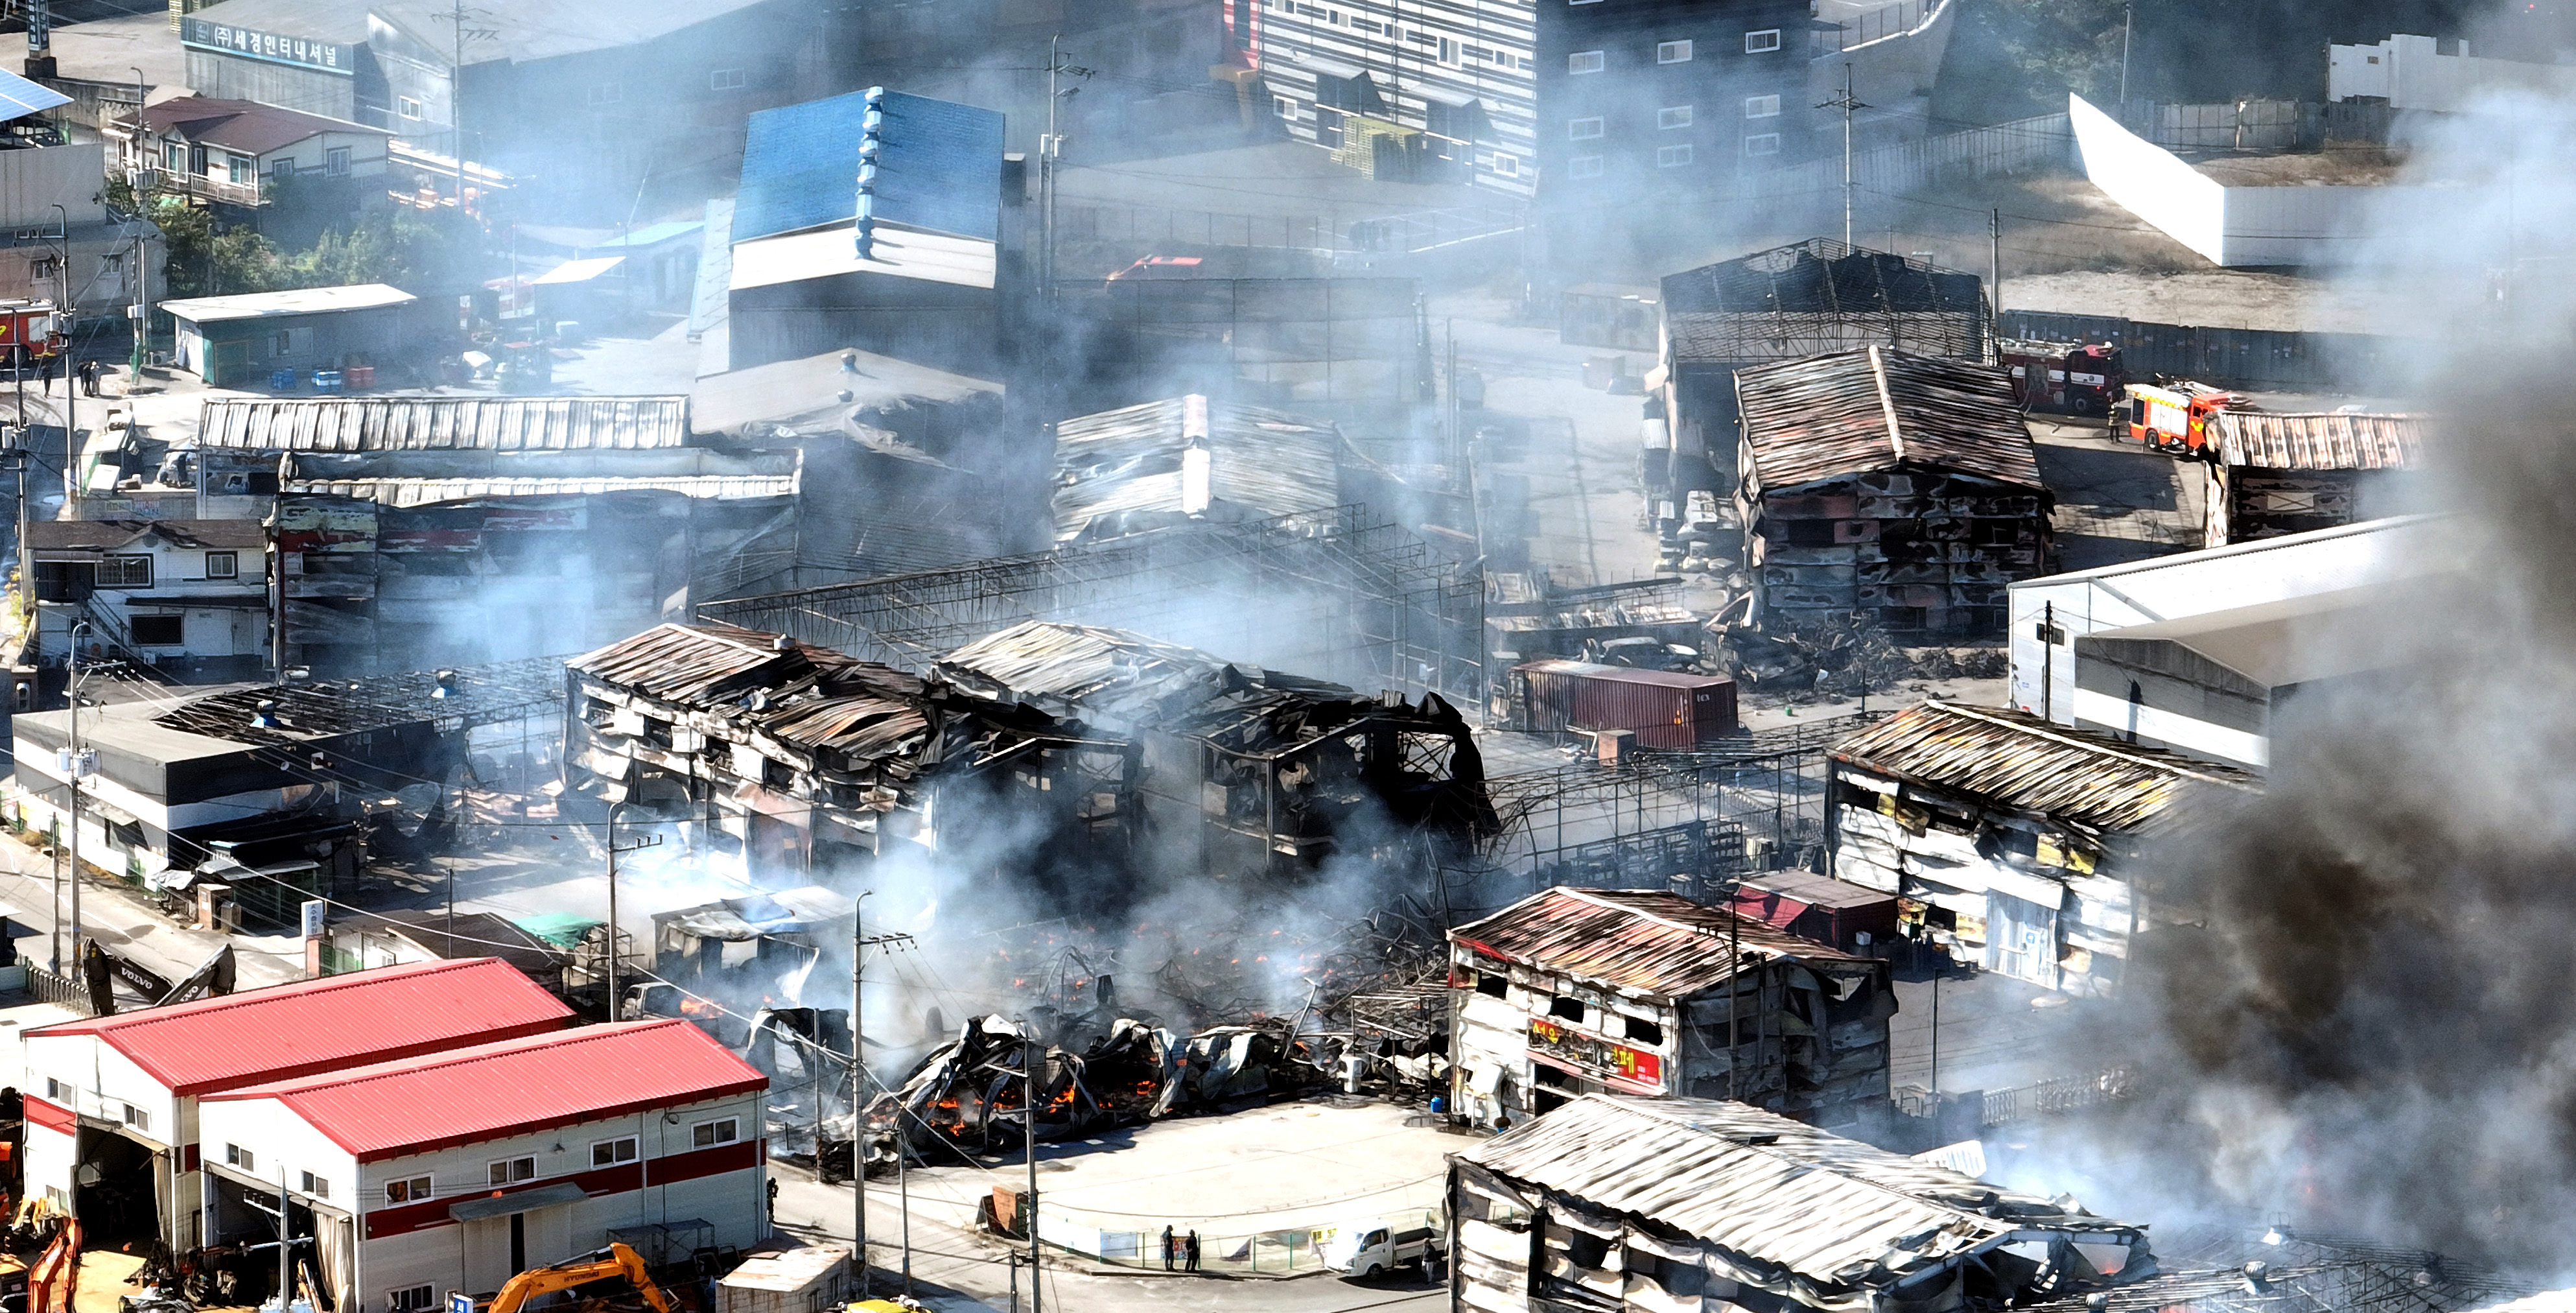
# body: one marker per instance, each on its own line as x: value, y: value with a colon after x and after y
x: 153, y: 590
x: 2415, y: 72
x: 450, y: 1172
x: 121, y: 1093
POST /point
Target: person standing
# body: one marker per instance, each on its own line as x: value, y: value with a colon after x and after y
x: 1169, y: 1250
x: 1194, y: 1251
x: 89, y: 378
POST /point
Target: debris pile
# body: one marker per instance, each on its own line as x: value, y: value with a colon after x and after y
x: 1837, y: 659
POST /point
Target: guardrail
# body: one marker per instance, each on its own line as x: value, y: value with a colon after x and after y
x: 2059, y: 1094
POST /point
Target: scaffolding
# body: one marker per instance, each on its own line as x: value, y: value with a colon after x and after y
x: 1333, y: 594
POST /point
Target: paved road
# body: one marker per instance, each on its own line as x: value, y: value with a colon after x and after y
x: 126, y: 924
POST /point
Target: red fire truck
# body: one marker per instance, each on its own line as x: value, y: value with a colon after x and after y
x: 2067, y: 378
x: 28, y: 331
x: 2174, y: 416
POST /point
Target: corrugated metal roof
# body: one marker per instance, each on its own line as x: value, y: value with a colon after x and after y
x: 1138, y: 461
x: 272, y: 305
x: 20, y: 97
x: 2028, y: 764
x: 1651, y: 943
x: 1853, y: 412
x: 489, y: 1091
x: 434, y: 492
x: 101, y: 535
x: 696, y: 664
x: 1835, y: 1211
x: 2318, y: 442
x: 417, y: 423
x: 937, y: 166
x: 1620, y: 674
x: 1103, y: 673
x: 337, y: 1022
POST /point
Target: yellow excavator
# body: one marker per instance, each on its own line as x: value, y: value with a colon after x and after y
x: 598, y: 1265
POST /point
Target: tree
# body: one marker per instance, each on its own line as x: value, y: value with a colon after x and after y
x: 211, y: 258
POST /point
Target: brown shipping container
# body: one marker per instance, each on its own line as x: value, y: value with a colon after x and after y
x: 1664, y: 708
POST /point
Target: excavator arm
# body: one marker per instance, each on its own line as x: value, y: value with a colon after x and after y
x: 598, y: 1265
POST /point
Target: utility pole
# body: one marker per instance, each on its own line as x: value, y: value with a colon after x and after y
x: 1995, y: 258
x: 860, y: 943
x: 647, y: 841
x: 71, y: 833
x: 2128, y: 22
x: 142, y: 271
x: 1046, y: 170
x: 456, y: 116
x: 1846, y: 104
x: 68, y: 317
x: 1030, y: 1056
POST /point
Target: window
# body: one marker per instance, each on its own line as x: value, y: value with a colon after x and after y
x: 336, y: 161
x: 512, y: 1170
x: 705, y: 1134
x: 237, y: 1156
x: 281, y: 168
x: 1672, y: 157
x: 410, y: 1299
x: 1353, y: 95
x: 1287, y: 108
x: 407, y: 107
x: 1761, y: 107
x: 1766, y: 144
x: 1672, y: 52
x: 1583, y: 61
x: 1508, y: 166
x: 409, y: 1191
x: 157, y: 630
x: 56, y: 1091
x: 1448, y: 51
x: 1583, y: 129
x: 42, y: 267
x: 1673, y: 116
x: 1644, y: 1031
x: 606, y: 93
x: 1762, y: 42
x: 1571, y: 1009
x: 1583, y: 166
x: 223, y: 565
x: 174, y: 157
x: 138, y: 1119
x: 317, y: 1186
x: 609, y: 1153
x: 125, y: 572
x: 727, y: 79
x: 1492, y: 984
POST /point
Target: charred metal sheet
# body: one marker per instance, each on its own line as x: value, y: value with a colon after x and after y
x: 1653, y: 943
x: 1140, y: 467
x: 2318, y: 442
x: 427, y: 423
x: 1840, y: 1214
x: 705, y: 663
x: 1856, y: 412
x: 1820, y: 295
x: 2027, y: 764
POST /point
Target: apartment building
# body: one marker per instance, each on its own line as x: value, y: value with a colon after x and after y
x: 1503, y: 93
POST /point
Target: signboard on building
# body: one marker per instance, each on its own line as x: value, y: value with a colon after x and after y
x: 1596, y: 1057
x: 224, y: 38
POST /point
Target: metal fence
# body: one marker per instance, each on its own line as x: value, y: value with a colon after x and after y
x: 2059, y: 1094
x: 2235, y: 357
x: 61, y: 991
x: 1295, y: 1249
x: 1874, y: 25
x: 2021, y: 146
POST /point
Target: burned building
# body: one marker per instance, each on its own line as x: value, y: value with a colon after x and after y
x: 1148, y: 466
x: 2017, y: 842
x: 1579, y: 991
x: 777, y: 758
x: 1901, y: 486
x: 1248, y: 771
x: 2269, y: 474
x: 1620, y: 1202
x: 1813, y: 298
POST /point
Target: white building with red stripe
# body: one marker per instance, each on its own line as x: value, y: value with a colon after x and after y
x: 448, y: 1172
x: 112, y: 1103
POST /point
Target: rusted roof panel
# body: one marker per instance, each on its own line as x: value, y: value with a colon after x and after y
x: 1854, y: 412
x: 2030, y: 765
x: 690, y: 664
x: 1652, y: 943
x: 2319, y: 442
x: 417, y: 423
x: 1103, y: 674
x: 1837, y: 1212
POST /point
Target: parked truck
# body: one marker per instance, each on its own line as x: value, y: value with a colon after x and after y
x: 1372, y: 1245
x: 2174, y: 416
x: 2066, y: 378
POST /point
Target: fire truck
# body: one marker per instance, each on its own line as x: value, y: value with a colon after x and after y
x: 2174, y: 416
x: 2067, y: 378
x: 28, y: 331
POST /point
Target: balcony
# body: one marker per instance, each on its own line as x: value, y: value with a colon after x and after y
x: 196, y: 187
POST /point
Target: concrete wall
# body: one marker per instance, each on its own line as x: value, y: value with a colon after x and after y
x: 2411, y: 72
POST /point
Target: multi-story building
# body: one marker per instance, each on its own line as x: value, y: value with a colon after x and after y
x: 1503, y: 93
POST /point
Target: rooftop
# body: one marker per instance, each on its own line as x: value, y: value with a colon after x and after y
x: 2295, y: 640
x: 1819, y: 295
x: 1639, y: 941
x: 2033, y: 766
x: 708, y: 663
x: 426, y: 478
x: 1100, y: 674
x: 821, y: 391
x: 20, y: 97
x: 2281, y: 441
x: 516, y: 32
x: 931, y: 165
x: 111, y: 535
x: 1853, y: 412
x: 242, y: 125
x: 433, y: 423
x: 2409, y: 541
x: 278, y: 305
x: 456, y: 935
x: 513, y: 1086
x: 1838, y: 1213
x: 291, y: 1031
x: 1121, y: 470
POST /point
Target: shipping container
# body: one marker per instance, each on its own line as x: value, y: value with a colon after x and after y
x: 1665, y: 709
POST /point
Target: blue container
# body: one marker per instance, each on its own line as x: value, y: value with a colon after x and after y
x: 282, y: 381
x: 326, y: 380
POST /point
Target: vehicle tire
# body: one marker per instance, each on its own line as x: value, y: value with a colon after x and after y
x: 1366, y: 1272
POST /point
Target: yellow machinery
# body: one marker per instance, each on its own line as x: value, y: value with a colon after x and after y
x: 598, y: 1265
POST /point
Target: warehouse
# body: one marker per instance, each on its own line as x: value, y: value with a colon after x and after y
x: 113, y: 1104
x: 1578, y: 991
x: 2015, y: 842
x: 1664, y: 1204
x: 1904, y: 487
x: 2049, y: 614
x: 477, y: 1162
x: 2273, y: 474
x: 247, y: 341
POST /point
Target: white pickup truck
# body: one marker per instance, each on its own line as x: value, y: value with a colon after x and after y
x: 1370, y: 1246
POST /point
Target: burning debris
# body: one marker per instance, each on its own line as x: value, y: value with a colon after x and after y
x: 1830, y: 658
